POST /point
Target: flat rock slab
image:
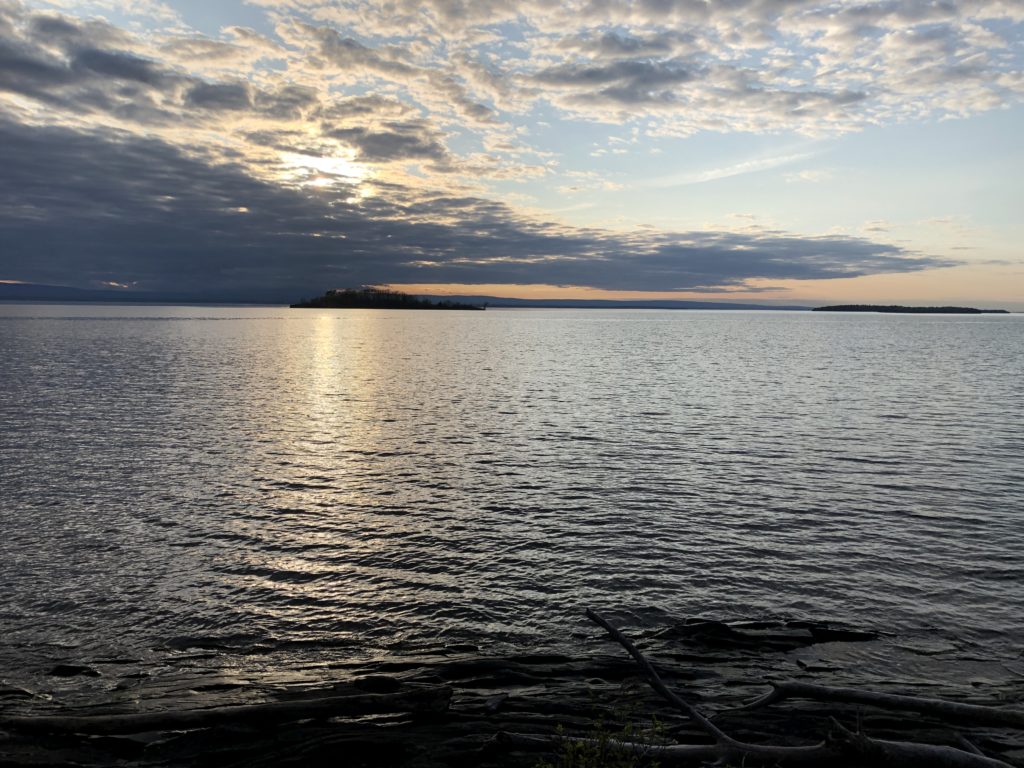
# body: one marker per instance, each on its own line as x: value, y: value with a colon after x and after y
x: 538, y: 693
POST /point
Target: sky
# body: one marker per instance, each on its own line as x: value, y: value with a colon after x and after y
x: 766, y: 151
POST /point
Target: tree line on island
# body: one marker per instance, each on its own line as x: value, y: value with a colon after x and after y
x: 372, y: 297
x: 897, y: 309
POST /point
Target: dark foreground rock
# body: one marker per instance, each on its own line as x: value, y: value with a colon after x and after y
x: 73, y: 670
x: 716, y: 666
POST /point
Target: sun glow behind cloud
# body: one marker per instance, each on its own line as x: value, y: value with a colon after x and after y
x: 323, y: 171
x: 338, y: 172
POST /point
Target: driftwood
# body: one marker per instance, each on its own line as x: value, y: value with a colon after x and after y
x: 947, y: 710
x: 841, y: 746
x: 435, y: 699
x: 845, y: 748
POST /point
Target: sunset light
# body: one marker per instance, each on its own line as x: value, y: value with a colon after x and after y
x: 511, y: 383
x: 788, y: 152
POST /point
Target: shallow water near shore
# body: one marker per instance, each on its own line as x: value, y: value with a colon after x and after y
x: 284, y: 487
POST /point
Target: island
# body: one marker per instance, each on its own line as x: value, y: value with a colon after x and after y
x: 893, y: 308
x: 371, y: 297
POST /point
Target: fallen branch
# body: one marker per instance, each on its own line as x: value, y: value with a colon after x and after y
x: 948, y: 710
x: 656, y: 681
x: 844, y: 745
x: 415, y: 700
x: 907, y: 754
x: 852, y: 748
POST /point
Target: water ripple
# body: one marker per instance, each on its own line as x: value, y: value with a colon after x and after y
x: 260, y: 478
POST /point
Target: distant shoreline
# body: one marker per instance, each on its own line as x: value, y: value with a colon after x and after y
x: 901, y: 310
x: 497, y: 304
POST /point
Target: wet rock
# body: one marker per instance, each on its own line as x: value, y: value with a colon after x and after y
x: 15, y: 692
x: 494, y: 703
x: 377, y: 684
x: 548, y: 693
x: 73, y: 670
x: 217, y: 687
x: 760, y: 636
x: 826, y: 634
x: 461, y: 648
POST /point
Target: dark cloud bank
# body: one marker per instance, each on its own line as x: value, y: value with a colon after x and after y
x: 83, y: 209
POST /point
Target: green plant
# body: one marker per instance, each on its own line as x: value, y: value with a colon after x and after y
x: 606, y: 747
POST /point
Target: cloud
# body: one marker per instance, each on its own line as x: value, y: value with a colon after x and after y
x: 407, y: 140
x: 61, y: 63
x: 138, y: 211
x: 737, y: 169
x: 354, y: 141
x: 117, y: 66
x: 152, y: 11
x: 810, y: 175
x: 809, y: 66
x: 219, y: 96
x: 620, y: 83
x: 612, y: 44
x: 669, y: 67
x: 636, y: 74
x: 346, y: 53
x: 76, y: 68
x: 244, y: 52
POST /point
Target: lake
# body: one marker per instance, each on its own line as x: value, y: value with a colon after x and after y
x: 323, y: 483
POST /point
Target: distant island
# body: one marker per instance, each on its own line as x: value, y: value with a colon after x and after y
x: 369, y: 297
x: 894, y: 308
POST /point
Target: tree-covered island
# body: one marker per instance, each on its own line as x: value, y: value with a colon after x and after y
x: 896, y: 309
x: 370, y: 297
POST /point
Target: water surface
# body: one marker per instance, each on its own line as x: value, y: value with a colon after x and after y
x: 313, y: 482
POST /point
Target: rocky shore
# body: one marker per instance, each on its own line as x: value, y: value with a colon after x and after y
x: 460, y: 703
